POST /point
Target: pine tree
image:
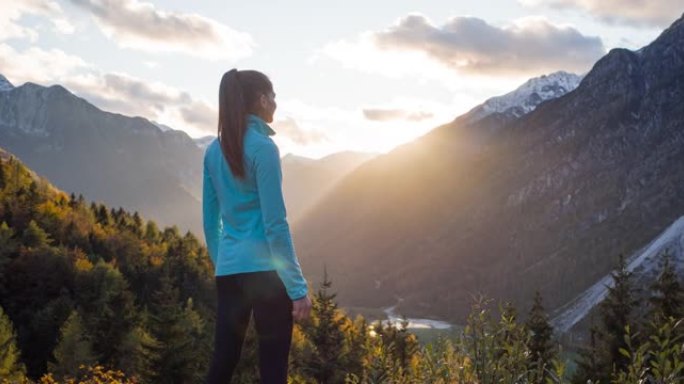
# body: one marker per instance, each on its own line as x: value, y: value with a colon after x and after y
x: 152, y: 234
x: 324, y: 359
x: 616, y: 314
x: 181, y: 355
x: 137, y: 224
x: 7, y: 245
x: 358, y: 340
x: 74, y: 348
x: 399, y: 343
x: 541, y: 345
x: 108, y: 312
x: 34, y: 236
x: 588, y: 363
x: 140, y: 347
x: 3, y: 175
x: 668, y: 296
x: 103, y: 216
x: 11, y: 367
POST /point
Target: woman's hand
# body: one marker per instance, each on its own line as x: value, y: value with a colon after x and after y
x: 301, y: 308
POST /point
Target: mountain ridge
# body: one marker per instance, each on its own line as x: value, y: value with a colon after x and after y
x: 546, y: 203
x: 123, y: 161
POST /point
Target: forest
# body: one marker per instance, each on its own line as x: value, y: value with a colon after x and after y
x: 93, y: 294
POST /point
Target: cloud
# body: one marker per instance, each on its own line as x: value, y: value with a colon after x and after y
x: 289, y: 128
x: 379, y: 114
x: 139, y: 25
x: 201, y: 114
x: 345, y: 128
x: 636, y: 13
x: 470, y: 45
x: 113, y: 92
x: 32, y: 65
x: 14, y: 11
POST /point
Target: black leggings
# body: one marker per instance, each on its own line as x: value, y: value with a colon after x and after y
x: 239, y: 295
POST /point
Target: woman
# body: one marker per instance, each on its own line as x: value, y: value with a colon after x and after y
x: 247, y: 234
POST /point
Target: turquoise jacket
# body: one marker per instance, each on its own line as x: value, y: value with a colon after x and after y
x: 245, y: 223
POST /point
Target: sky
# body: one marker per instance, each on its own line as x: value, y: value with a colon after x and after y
x: 349, y: 76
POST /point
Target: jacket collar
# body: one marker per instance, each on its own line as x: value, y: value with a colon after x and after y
x: 254, y: 121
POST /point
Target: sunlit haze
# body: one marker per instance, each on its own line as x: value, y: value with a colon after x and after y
x: 349, y: 76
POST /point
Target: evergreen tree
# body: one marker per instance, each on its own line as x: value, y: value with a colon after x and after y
x: 11, y: 367
x: 541, y: 341
x: 180, y: 353
x: 34, y: 236
x: 588, y: 363
x: 358, y: 340
x: 108, y: 312
x: 7, y: 245
x: 103, y: 216
x: 140, y: 347
x: 667, y: 300
x: 137, y: 224
x: 74, y: 348
x: 326, y: 352
x: 152, y: 234
x: 541, y: 345
x: 401, y: 345
x: 616, y: 313
x: 3, y: 176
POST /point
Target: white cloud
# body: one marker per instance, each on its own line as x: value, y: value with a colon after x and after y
x: 140, y: 25
x: 13, y: 11
x: 289, y: 128
x: 471, y: 45
x: 468, y: 46
x: 38, y: 65
x: 637, y: 13
x: 391, y: 114
x: 340, y: 129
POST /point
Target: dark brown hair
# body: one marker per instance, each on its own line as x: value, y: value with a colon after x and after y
x: 238, y: 96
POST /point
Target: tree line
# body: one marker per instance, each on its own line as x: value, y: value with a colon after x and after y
x: 90, y: 294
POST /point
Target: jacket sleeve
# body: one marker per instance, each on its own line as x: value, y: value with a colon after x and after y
x: 269, y: 186
x: 211, y: 215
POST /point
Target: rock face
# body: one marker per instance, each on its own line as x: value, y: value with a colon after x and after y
x: 5, y: 85
x: 118, y: 160
x: 505, y: 206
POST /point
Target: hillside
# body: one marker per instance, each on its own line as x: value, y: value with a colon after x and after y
x: 122, y: 161
x: 506, y: 205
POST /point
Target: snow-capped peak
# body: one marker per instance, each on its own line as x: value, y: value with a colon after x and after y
x: 5, y: 85
x: 528, y: 96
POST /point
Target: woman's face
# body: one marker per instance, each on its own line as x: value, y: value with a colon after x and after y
x: 268, y: 106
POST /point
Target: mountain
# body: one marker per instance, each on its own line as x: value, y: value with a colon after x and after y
x: 204, y: 141
x: 5, y: 85
x: 646, y: 266
x: 119, y: 160
x: 306, y: 180
x: 507, y: 205
x: 527, y: 97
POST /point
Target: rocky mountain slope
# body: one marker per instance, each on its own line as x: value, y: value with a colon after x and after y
x: 122, y: 161
x: 646, y: 266
x: 506, y: 205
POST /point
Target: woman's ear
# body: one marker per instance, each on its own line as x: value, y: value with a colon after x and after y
x: 263, y: 101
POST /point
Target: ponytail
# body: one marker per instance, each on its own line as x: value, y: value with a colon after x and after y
x: 238, y: 95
